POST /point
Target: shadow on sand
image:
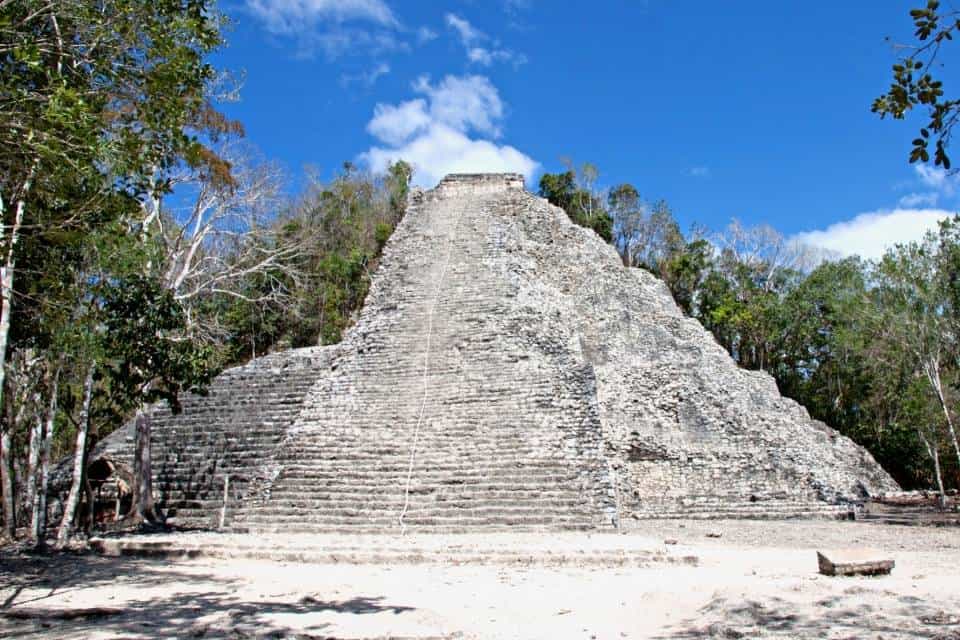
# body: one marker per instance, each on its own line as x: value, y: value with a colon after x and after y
x: 28, y: 583
x: 902, y: 617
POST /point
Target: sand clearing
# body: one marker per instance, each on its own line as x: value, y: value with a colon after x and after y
x: 758, y: 579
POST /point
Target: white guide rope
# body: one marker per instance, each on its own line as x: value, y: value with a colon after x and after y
x: 426, y: 368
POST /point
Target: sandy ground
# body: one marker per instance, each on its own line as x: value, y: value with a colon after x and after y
x: 759, y: 579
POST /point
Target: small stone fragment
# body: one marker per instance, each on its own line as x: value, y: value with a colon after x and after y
x: 940, y: 618
x: 670, y: 541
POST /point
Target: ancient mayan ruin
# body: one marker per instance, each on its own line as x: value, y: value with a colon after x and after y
x: 506, y: 370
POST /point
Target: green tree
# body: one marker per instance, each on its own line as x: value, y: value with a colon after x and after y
x: 574, y: 193
x: 339, y: 228
x: 684, y: 272
x: 915, y: 85
x: 102, y: 102
x: 915, y: 327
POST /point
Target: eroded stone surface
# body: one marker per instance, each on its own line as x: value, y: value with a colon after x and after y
x: 531, y: 380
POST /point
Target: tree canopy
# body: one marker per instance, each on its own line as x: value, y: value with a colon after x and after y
x: 917, y: 84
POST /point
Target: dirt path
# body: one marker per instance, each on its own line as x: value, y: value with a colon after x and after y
x: 757, y: 580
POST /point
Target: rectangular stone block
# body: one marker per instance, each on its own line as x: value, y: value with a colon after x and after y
x: 854, y: 562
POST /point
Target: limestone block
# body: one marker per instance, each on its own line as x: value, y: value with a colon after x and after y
x: 854, y: 562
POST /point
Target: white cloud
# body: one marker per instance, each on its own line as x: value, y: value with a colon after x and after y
x: 926, y: 199
x: 480, y: 55
x: 441, y: 150
x: 700, y: 172
x: 470, y: 37
x: 467, y: 102
x: 517, y: 5
x: 396, y: 124
x: 434, y: 133
x: 366, y: 78
x: 936, y: 178
x: 468, y: 34
x: 426, y: 34
x: 870, y: 234
x: 329, y: 25
x: 289, y: 16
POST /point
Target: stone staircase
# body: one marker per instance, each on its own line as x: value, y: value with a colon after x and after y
x: 436, y: 375
x: 224, y: 435
x: 221, y: 435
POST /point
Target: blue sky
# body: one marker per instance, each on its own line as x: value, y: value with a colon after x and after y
x: 752, y: 110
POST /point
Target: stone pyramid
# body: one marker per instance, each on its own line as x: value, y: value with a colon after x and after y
x: 506, y: 370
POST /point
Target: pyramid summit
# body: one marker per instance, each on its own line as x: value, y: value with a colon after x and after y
x: 506, y: 370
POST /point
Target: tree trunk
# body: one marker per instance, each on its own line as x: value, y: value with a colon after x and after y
x: 90, y: 503
x: 33, y: 460
x: 6, y: 476
x: 39, y: 519
x: 143, y: 508
x: 935, y: 456
x: 79, y: 463
x: 933, y: 375
x: 6, y: 270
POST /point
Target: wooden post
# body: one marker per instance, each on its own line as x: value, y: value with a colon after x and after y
x: 116, y: 515
x: 226, y: 495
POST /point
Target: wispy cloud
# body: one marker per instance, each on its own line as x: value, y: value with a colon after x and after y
x: 437, y: 132
x: 468, y: 34
x: 284, y: 16
x: 937, y: 179
x: 366, y: 78
x: 699, y: 172
x: 426, y: 34
x: 870, y: 234
x: 479, y: 47
x: 334, y: 27
x: 926, y: 199
x: 517, y: 5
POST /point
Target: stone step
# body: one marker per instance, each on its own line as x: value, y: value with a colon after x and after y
x: 292, y: 524
x: 213, y: 500
x: 391, y: 470
x: 811, y: 513
x: 504, y: 455
x: 371, y: 489
x: 258, y: 406
x: 467, y: 492
x: 314, y: 500
x: 353, y: 529
x: 251, y: 428
x: 436, y: 458
x: 389, y: 555
x: 271, y: 510
x: 233, y: 455
x: 415, y: 501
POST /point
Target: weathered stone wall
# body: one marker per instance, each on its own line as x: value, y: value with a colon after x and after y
x: 688, y: 432
x: 228, y: 432
x: 506, y: 370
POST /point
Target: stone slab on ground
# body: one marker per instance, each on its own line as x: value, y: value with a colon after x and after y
x: 854, y: 562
